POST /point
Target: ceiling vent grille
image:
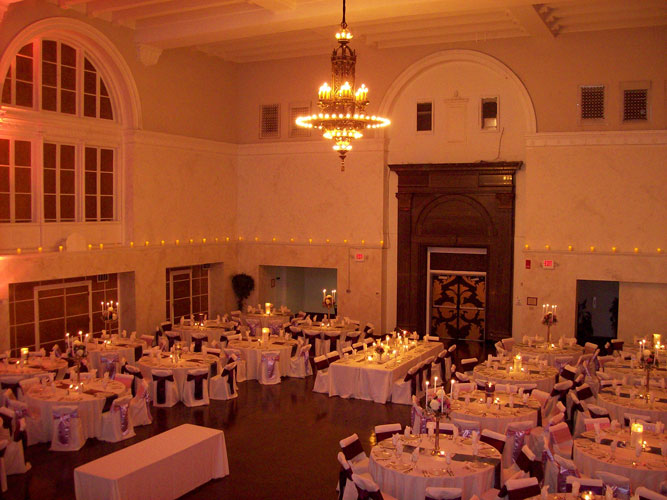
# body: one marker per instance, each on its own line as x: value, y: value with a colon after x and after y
x: 269, y: 126
x: 294, y: 129
x: 592, y: 102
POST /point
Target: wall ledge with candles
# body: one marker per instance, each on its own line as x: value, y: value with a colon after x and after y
x: 594, y: 250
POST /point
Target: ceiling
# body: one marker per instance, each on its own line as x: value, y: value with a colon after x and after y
x: 257, y: 30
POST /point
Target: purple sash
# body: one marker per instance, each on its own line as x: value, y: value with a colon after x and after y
x: 563, y: 473
x: 253, y: 324
x: 108, y: 401
x: 305, y: 354
x: 352, y: 450
x: 229, y: 373
x: 123, y: 409
x: 65, y: 426
x: 418, y: 413
x: 617, y: 489
x: 162, y: 387
x: 199, y: 384
x: 270, y: 360
x: 518, y: 438
x: 108, y: 364
x: 526, y: 492
x: 198, y: 342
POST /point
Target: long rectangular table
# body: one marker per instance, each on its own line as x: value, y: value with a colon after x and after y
x: 163, y: 467
x: 356, y: 378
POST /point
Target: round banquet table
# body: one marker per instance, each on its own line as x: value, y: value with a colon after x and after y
x: 545, y: 351
x: 618, y: 406
x: 212, y: 332
x: 189, y: 361
x: 491, y: 417
x: 635, y: 375
x: 34, y: 367
x: 264, y: 319
x: 122, y: 348
x: 649, y: 470
x: 252, y: 349
x: 543, y: 377
x: 89, y: 403
x: 400, y: 479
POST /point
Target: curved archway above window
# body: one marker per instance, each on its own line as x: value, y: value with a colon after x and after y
x: 82, y: 72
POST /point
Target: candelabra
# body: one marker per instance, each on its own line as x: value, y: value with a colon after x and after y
x: 329, y: 301
x: 109, y: 314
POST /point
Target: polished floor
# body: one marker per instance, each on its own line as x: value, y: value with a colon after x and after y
x: 282, y: 442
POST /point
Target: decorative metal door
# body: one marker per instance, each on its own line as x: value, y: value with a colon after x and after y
x: 458, y: 306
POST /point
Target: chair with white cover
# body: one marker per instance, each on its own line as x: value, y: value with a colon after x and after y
x: 591, y: 424
x: 620, y: 485
x: 520, y: 489
x: 645, y: 494
x: 346, y: 488
x: 269, y: 371
x: 439, y: 366
x: 67, y: 432
x: 195, y: 392
x: 516, y: 433
x: 367, y: 488
x: 3, y: 469
x: 561, y: 439
x: 300, y: 364
x: 164, y: 391
x: 466, y: 427
x: 140, y: 405
x: 126, y: 379
x: 596, y: 411
x: 13, y: 431
x: 466, y: 366
x: 224, y: 386
x: 443, y: 428
x: 117, y: 422
x: 321, y: 365
x: 403, y: 389
x: 25, y: 384
x: 355, y: 454
x: 508, y: 344
x: 241, y: 364
x: 595, y: 486
x: 12, y: 382
x: 385, y: 431
x: 255, y: 326
x: 436, y: 493
x: 29, y: 421
x: 431, y: 338
x: 198, y: 341
x: 148, y: 340
x: 557, y: 470
x: 494, y: 439
x: 172, y: 338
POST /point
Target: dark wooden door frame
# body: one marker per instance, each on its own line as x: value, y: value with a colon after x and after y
x: 487, y: 188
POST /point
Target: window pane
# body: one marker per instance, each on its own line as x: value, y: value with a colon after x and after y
x: 67, y: 55
x: 105, y: 108
x: 49, y: 74
x: 106, y: 157
x: 24, y: 94
x: 91, y: 159
x: 67, y: 157
x: 24, y: 68
x: 103, y: 88
x: 4, y: 179
x: 26, y: 50
x: 23, y: 208
x: 106, y: 208
x: 67, y: 181
x: 50, y: 207
x: 68, y: 78
x: 91, y: 182
x: 7, y: 92
x: 106, y: 183
x: 89, y: 82
x: 87, y: 65
x: 22, y: 153
x: 67, y: 102
x: 49, y: 155
x: 4, y: 207
x: 4, y: 151
x: 91, y: 208
x: 49, y: 98
x: 89, y: 106
x: 22, y: 180
x: 49, y: 50
x: 49, y: 181
x: 67, y: 207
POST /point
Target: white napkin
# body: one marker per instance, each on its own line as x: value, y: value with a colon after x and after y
x: 106, y: 376
x: 182, y: 320
x: 394, y: 439
x: 456, y: 431
x: 448, y: 458
x: 661, y: 383
x: 576, y: 485
x: 407, y: 430
x: 545, y: 489
x: 614, y: 425
x: 430, y: 430
x: 133, y: 336
x: 638, y: 449
x: 124, y: 334
x: 618, y: 390
x: 475, y: 437
x: 488, y: 361
x: 560, y: 342
x: 399, y: 448
x: 511, y: 400
x: 612, y: 448
x: 608, y: 493
x: 415, y: 455
x: 475, y: 449
x: 467, y: 398
x: 596, y: 426
x: 525, y: 397
x: 663, y: 448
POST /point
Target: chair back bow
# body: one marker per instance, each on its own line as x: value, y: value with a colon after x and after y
x: 305, y: 354
x: 63, y: 419
x: 352, y: 449
x: 198, y: 342
x: 171, y: 339
x: 199, y: 384
x: 517, y: 437
x: 229, y: 371
x: 123, y: 408
x: 161, y: 381
x: 563, y: 473
x: 270, y: 359
x: 14, y: 386
x: 108, y: 364
x: 412, y: 378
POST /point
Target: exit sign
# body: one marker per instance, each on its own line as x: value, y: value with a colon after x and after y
x: 548, y: 264
x: 359, y: 257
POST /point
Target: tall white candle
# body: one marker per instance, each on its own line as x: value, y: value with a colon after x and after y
x: 426, y: 396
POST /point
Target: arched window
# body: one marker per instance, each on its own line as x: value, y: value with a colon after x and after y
x: 68, y: 98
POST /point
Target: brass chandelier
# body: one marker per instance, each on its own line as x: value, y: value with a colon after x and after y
x: 342, y: 117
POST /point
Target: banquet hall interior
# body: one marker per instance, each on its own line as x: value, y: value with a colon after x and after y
x: 238, y: 236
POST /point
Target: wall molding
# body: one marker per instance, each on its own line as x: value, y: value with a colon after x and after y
x: 183, y: 142
x: 610, y: 138
x: 320, y: 146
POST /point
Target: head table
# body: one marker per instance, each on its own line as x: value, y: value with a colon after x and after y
x: 633, y: 400
x: 649, y: 469
x: 401, y: 477
x: 357, y: 377
x: 89, y: 401
x: 252, y: 349
x: 543, y: 376
x: 497, y: 415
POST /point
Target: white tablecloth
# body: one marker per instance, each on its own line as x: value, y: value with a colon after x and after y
x: 191, y: 361
x: 251, y: 352
x: 212, y: 332
x: 97, y: 351
x: 550, y: 353
x: 491, y: 417
x: 163, y: 467
x: 473, y: 478
x: 34, y: 366
x: 618, y: 406
x: 265, y: 319
x: 543, y: 377
x: 648, y: 470
x: 634, y: 375
x: 355, y: 377
x: 41, y: 400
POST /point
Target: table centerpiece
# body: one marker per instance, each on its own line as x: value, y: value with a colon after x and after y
x: 437, y: 406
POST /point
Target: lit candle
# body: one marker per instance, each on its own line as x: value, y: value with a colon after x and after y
x: 426, y: 396
x: 435, y: 385
x: 24, y: 353
x: 67, y: 339
x: 324, y: 294
x: 267, y: 307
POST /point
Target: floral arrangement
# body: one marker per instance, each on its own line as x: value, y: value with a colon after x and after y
x: 439, y: 404
x: 79, y: 350
x: 648, y: 359
x: 550, y: 318
x: 328, y: 301
x: 379, y: 350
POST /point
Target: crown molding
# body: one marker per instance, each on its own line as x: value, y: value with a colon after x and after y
x: 173, y: 141
x: 612, y: 138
